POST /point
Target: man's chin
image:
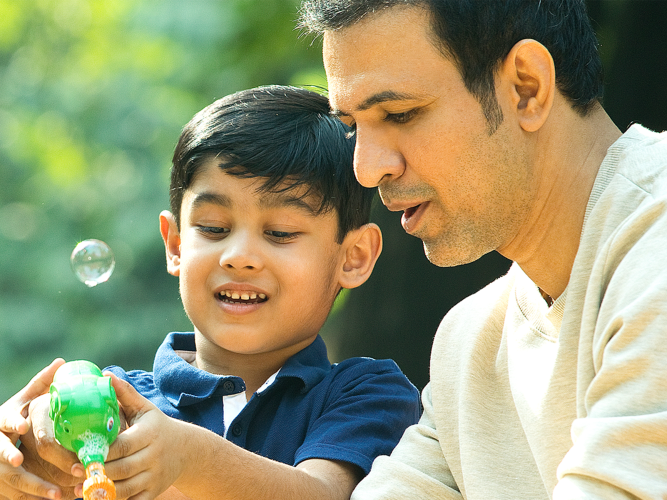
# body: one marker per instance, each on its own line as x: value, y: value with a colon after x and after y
x: 445, y: 256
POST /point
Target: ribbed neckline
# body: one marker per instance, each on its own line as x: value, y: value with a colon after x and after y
x: 542, y: 318
x: 547, y: 320
x: 608, y: 167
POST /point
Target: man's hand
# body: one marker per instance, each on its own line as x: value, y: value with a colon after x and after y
x: 15, y: 480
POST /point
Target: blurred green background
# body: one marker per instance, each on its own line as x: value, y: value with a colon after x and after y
x: 93, y: 95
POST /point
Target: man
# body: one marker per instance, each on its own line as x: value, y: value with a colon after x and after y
x: 481, y: 121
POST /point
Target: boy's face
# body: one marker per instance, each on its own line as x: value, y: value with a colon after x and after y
x: 258, y: 271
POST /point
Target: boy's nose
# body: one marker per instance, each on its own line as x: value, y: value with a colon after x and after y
x: 375, y: 161
x: 241, y: 251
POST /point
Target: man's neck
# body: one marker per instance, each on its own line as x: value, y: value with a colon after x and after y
x: 570, y: 156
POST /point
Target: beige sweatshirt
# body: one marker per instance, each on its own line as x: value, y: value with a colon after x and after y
x: 527, y: 402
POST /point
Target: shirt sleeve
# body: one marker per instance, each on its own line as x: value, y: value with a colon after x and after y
x: 415, y: 469
x: 368, y: 407
x: 620, y: 440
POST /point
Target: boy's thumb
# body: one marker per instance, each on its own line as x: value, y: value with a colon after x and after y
x: 40, y: 383
x: 15, y: 410
x: 133, y: 404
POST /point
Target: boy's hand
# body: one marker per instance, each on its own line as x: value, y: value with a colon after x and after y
x: 149, y: 456
x: 43, y: 455
x: 15, y: 480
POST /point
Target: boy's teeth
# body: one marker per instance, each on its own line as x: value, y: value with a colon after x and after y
x: 242, y: 295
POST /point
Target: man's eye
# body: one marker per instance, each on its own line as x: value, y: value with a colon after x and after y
x: 352, y: 131
x: 401, y: 117
x: 281, y: 236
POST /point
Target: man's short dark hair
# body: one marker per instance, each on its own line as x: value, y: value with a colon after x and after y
x: 284, y: 135
x: 477, y: 35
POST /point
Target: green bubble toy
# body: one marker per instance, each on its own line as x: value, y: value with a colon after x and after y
x: 84, y: 410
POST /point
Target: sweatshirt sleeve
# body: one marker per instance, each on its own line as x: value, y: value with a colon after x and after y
x: 416, y: 467
x: 620, y: 438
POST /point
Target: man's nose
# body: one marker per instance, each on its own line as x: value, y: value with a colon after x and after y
x: 376, y: 160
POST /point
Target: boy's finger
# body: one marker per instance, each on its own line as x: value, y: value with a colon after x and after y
x: 12, y: 420
x: 41, y: 447
x: 127, y: 444
x: 40, y: 383
x: 134, y: 487
x: 18, y: 483
x: 12, y: 413
x: 8, y: 451
x: 77, y: 470
x: 132, y: 464
x: 14, y: 494
x: 41, y: 442
x: 133, y: 403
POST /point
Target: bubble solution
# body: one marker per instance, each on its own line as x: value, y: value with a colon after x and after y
x: 92, y: 262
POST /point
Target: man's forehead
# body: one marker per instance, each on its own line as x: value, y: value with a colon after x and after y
x: 372, y: 60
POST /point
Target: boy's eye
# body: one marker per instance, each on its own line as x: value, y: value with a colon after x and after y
x: 401, y: 117
x: 212, y: 230
x: 281, y: 236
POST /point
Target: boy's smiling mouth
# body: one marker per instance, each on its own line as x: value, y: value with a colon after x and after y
x: 242, y: 297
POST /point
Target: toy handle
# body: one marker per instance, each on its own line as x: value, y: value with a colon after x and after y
x: 98, y: 486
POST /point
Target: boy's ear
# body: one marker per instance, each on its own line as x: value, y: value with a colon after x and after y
x: 361, y: 248
x: 530, y: 75
x: 172, y: 242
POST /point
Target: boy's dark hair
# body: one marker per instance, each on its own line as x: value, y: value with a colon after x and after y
x: 285, y: 135
x: 477, y: 35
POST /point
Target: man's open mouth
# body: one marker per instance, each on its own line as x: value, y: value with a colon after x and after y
x: 409, y: 212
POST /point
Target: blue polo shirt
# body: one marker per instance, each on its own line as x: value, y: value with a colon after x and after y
x: 351, y: 411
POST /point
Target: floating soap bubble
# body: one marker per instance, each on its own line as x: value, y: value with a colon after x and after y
x: 92, y: 262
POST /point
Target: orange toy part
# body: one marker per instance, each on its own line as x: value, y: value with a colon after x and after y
x: 98, y: 486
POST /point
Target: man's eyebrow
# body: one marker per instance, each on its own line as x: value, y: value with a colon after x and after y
x: 380, y: 97
x: 207, y: 198
x: 284, y: 199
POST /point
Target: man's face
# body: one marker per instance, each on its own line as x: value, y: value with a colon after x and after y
x: 257, y: 271
x: 423, y: 140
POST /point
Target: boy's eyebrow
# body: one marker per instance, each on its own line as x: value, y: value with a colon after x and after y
x: 211, y: 198
x: 277, y: 200
x: 379, y: 98
x: 266, y: 201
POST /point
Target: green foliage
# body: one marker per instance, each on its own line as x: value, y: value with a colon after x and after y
x: 94, y: 95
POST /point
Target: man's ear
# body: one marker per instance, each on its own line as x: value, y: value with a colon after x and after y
x: 172, y: 242
x: 361, y: 249
x: 530, y: 76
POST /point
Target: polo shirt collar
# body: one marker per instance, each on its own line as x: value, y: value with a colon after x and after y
x: 310, y: 365
x: 183, y: 384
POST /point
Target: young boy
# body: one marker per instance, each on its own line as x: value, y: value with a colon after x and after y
x: 267, y: 225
